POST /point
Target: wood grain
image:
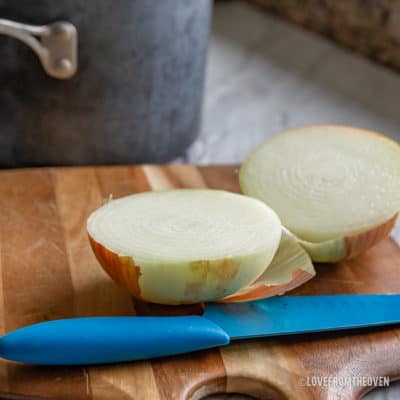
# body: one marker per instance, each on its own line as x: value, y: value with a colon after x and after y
x: 48, y: 271
x: 34, y: 267
x: 3, y: 366
x: 78, y: 192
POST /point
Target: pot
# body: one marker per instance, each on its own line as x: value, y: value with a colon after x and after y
x: 100, y: 82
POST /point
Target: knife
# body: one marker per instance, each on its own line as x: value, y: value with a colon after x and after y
x: 101, y: 340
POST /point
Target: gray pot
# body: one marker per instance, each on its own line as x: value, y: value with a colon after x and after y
x: 100, y: 81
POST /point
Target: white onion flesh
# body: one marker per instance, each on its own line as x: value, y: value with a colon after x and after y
x: 326, y: 182
x: 167, y: 234
x: 185, y: 225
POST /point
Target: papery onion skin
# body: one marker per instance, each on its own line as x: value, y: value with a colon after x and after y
x: 351, y: 244
x: 360, y: 242
x: 179, y: 282
x: 263, y: 291
x: 122, y: 269
x: 290, y: 268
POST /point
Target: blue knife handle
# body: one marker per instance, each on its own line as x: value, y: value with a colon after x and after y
x: 101, y: 340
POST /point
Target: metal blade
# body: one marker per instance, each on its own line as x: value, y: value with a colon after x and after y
x: 288, y: 315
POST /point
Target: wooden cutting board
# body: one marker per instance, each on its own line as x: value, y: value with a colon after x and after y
x: 48, y: 271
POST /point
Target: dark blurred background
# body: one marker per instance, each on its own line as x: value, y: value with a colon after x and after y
x: 137, y: 93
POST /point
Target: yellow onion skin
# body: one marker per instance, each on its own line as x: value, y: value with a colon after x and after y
x: 290, y: 268
x: 348, y: 247
x: 181, y: 282
x: 259, y: 291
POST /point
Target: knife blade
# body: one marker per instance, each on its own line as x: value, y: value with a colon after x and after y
x: 100, y: 340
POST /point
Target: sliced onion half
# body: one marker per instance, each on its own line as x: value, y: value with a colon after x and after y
x: 337, y: 189
x: 184, y: 246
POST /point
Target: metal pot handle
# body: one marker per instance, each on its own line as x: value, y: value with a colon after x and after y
x: 55, y: 44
